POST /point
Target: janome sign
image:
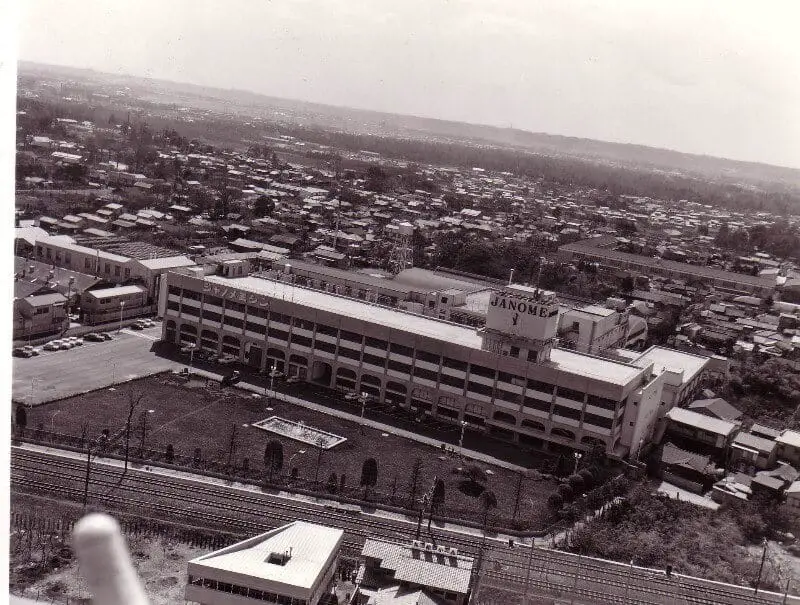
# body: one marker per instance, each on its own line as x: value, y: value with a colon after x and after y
x: 522, y: 316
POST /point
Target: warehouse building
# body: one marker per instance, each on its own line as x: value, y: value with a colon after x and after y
x: 506, y: 378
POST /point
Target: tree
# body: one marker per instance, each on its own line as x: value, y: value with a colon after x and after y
x: 273, y: 457
x: 488, y: 501
x: 414, y: 482
x: 567, y: 493
x: 437, y: 499
x: 332, y: 483
x: 369, y: 475
x: 170, y: 454
x: 555, y: 502
x: 588, y: 478
x: 263, y: 206
x: 475, y: 474
x: 22, y: 417
x: 576, y: 483
x: 627, y: 284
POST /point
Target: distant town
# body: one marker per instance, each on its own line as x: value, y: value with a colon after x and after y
x: 303, y: 372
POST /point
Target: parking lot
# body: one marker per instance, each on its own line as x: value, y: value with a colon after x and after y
x: 94, y: 365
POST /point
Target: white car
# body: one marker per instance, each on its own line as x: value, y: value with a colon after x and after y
x: 67, y: 344
x: 53, y: 345
x: 77, y: 340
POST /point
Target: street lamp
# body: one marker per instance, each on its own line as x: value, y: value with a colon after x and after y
x: 461, y: 438
x: 292, y: 457
x: 578, y: 457
x: 121, y: 307
x: 131, y: 409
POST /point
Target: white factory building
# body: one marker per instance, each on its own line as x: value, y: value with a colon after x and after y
x: 507, y: 378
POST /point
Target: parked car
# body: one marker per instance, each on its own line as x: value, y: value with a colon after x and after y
x: 148, y: 323
x: 231, y: 378
x: 22, y: 352
x: 293, y: 379
x: 227, y: 359
x: 106, y: 336
x: 94, y: 337
x: 351, y: 396
x: 136, y: 326
x: 76, y: 341
x: 53, y: 345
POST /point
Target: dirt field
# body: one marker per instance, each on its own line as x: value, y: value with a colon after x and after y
x: 190, y: 415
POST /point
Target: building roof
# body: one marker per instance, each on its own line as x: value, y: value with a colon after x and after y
x: 670, y: 359
x: 675, y: 456
x: 117, y: 291
x: 700, y: 421
x: 442, y: 571
x: 30, y: 234
x: 717, y: 407
x: 167, y: 262
x: 68, y: 245
x: 351, y: 276
x: 754, y: 442
x: 311, y: 547
x: 45, y: 300
x: 668, y: 265
x: 790, y: 438
x: 762, y: 430
x: 590, y: 366
x: 424, y: 280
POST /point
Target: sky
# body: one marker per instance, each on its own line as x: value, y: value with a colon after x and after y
x: 711, y: 77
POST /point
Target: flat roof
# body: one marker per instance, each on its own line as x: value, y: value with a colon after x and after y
x: 789, y: 437
x: 588, y: 366
x: 424, y: 280
x: 311, y: 547
x: 670, y: 359
x: 67, y: 245
x: 117, y: 291
x: 322, y: 301
x: 167, y: 262
x: 707, y: 423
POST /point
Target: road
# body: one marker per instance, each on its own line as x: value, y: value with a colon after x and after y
x: 195, y: 500
x: 95, y: 365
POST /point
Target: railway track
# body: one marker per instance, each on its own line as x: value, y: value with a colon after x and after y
x: 551, y: 572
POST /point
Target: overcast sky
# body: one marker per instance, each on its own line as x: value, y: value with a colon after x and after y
x: 719, y: 78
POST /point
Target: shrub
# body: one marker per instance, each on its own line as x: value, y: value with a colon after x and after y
x: 588, y: 478
x: 332, y: 483
x: 576, y: 483
x: 475, y: 473
x: 555, y: 501
x: 170, y: 454
x: 566, y: 492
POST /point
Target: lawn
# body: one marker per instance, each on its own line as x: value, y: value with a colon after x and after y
x: 191, y: 415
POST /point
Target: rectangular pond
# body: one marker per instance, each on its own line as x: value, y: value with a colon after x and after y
x: 300, y: 432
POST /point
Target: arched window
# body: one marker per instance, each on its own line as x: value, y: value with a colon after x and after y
x: 559, y: 432
x: 532, y: 424
x: 188, y: 329
x: 592, y: 441
x: 369, y: 379
x: 396, y: 387
x: 299, y: 360
x: 230, y: 340
x: 505, y: 417
x: 275, y: 353
x: 346, y: 373
x: 210, y: 335
x: 170, y: 330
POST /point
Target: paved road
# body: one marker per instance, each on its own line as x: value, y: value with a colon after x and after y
x: 94, y: 365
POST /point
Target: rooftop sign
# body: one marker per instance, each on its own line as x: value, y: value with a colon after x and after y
x: 236, y: 295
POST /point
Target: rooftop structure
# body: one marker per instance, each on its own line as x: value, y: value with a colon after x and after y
x: 294, y: 563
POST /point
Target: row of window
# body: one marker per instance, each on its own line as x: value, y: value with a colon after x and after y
x: 244, y: 591
x: 346, y: 336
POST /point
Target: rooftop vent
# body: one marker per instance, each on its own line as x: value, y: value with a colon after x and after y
x: 279, y: 558
x: 429, y: 546
x: 441, y: 549
x: 453, y: 551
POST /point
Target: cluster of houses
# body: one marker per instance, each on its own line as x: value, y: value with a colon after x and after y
x: 707, y: 448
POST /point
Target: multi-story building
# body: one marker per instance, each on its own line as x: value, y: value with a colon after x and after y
x: 291, y: 565
x: 506, y: 378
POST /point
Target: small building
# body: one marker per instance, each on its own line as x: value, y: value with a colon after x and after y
x: 716, y: 408
x: 751, y: 452
x: 792, y: 501
x: 696, y: 429
x: 40, y: 315
x: 110, y: 304
x: 292, y: 565
x: 391, y: 571
x: 691, y: 471
x: 789, y: 447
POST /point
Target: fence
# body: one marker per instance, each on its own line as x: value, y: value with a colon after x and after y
x: 220, y: 469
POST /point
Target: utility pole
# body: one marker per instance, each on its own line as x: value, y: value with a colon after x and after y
x: 761, y: 567
x: 88, y: 471
x: 528, y: 573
